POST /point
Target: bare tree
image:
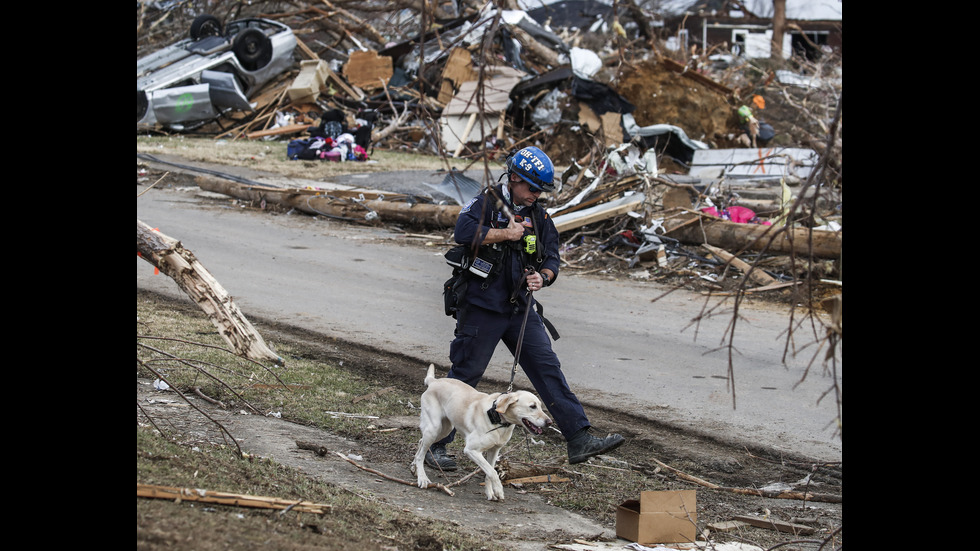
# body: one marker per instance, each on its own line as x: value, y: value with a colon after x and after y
x: 778, y: 28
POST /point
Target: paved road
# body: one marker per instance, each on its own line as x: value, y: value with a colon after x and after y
x: 618, y: 346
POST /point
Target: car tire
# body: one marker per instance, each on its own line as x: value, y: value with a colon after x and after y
x: 204, y: 26
x: 253, y: 49
x: 142, y: 104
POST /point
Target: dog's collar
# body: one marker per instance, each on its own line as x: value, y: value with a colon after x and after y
x: 495, y: 417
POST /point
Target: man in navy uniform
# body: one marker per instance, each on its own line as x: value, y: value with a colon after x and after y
x: 516, y: 246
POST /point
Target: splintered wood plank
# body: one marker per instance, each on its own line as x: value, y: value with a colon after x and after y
x: 777, y: 525
x: 459, y: 69
x: 368, y: 70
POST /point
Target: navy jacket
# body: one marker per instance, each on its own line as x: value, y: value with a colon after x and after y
x: 481, y: 214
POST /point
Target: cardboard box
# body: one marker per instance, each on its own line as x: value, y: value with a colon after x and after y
x: 659, y: 517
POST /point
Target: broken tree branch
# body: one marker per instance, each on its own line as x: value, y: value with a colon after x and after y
x: 170, y: 257
x: 163, y: 378
x: 323, y: 451
x: 381, y: 474
x: 753, y: 273
x: 360, y: 24
x: 806, y: 496
x: 546, y: 54
x: 225, y: 498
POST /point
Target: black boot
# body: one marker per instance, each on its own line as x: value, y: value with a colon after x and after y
x: 437, y: 458
x: 583, y: 445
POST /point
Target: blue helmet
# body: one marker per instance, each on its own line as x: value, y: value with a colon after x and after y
x: 534, y: 167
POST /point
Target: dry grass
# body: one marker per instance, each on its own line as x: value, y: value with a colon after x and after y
x: 352, y: 523
x: 183, y: 347
x: 271, y: 156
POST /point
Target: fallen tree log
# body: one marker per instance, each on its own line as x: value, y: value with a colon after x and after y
x: 354, y: 205
x: 170, y: 257
x: 698, y: 229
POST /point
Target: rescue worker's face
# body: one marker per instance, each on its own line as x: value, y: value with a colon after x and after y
x: 521, y: 192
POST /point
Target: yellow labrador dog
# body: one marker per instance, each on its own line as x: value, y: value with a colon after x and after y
x: 487, y: 422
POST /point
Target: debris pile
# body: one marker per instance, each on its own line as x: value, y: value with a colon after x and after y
x: 676, y: 162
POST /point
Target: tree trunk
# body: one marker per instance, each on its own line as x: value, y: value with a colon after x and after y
x: 734, y: 236
x: 778, y: 29
x: 544, y: 53
x: 171, y: 258
x: 352, y: 205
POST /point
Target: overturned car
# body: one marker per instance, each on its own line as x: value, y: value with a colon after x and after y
x: 197, y: 78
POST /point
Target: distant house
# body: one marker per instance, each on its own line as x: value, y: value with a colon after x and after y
x: 745, y: 28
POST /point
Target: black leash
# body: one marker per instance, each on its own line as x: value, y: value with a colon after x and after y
x: 520, y: 337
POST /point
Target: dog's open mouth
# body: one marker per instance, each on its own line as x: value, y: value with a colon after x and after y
x: 531, y: 427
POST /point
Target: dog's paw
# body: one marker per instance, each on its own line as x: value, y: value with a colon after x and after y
x: 494, y: 490
x: 423, y: 481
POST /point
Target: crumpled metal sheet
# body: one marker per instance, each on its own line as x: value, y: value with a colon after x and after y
x: 458, y: 186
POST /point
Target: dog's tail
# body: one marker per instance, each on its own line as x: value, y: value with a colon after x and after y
x: 431, y: 374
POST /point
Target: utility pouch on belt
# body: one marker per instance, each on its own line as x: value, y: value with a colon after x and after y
x: 458, y: 257
x: 453, y: 291
x: 455, y: 287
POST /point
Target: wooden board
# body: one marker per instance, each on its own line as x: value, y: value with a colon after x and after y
x: 458, y: 69
x: 777, y: 525
x: 368, y: 70
x: 597, y: 213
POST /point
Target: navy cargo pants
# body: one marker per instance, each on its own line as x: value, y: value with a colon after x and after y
x: 477, y: 335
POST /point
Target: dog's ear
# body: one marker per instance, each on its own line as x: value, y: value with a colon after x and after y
x: 505, y: 401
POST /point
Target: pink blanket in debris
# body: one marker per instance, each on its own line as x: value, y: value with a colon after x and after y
x: 736, y: 213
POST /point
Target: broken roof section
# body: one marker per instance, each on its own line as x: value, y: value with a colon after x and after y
x: 825, y: 10
x: 773, y: 163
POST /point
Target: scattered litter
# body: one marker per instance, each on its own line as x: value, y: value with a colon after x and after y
x: 776, y: 487
x: 339, y: 414
x: 166, y: 402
